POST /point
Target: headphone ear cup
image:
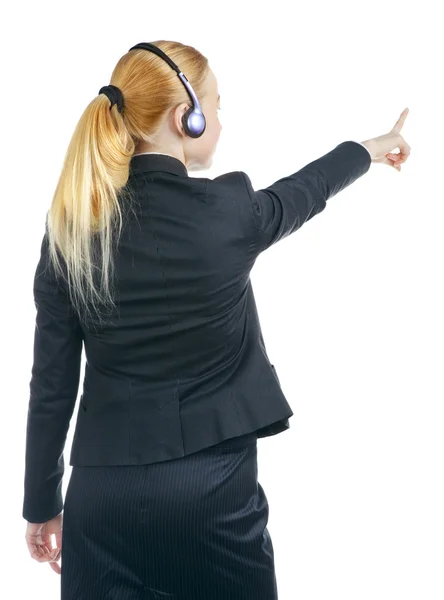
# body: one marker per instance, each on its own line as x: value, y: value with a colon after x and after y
x: 194, y: 132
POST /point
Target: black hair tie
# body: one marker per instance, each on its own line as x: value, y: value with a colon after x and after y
x: 114, y: 94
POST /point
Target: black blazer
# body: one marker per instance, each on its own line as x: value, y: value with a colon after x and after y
x: 181, y: 364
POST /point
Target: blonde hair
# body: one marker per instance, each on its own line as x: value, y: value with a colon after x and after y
x: 87, y: 201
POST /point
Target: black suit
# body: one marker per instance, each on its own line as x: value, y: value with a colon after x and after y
x: 182, y: 363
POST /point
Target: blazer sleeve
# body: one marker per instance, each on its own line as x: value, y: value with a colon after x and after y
x: 287, y: 204
x: 53, y: 392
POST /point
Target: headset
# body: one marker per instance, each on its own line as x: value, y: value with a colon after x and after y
x: 193, y: 120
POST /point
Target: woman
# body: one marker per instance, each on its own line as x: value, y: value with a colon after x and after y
x: 148, y: 268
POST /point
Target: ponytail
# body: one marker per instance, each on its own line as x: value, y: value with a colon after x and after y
x: 85, y: 211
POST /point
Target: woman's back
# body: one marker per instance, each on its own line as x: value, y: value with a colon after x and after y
x: 181, y: 364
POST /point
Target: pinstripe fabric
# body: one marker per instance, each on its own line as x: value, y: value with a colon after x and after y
x: 191, y: 528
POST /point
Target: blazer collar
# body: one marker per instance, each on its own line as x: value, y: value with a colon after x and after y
x: 158, y: 162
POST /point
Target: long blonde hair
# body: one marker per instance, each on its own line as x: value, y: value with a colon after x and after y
x: 87, y: 200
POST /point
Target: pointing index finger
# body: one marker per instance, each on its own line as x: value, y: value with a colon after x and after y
x: 400, y: 122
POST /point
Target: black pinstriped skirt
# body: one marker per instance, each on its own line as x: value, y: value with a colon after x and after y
x: 193, y: 528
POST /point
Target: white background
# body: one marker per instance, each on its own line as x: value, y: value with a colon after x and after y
x: 350, y: 304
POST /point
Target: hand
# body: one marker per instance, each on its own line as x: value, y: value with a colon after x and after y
x: 38, y: 539
x: 381, y: 147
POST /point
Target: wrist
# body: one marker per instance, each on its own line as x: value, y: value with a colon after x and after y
x: 371, y: 147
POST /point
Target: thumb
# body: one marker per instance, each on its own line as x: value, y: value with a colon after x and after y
x: 392, y: 160
x: 58, y: 539
x: 55, y: 553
